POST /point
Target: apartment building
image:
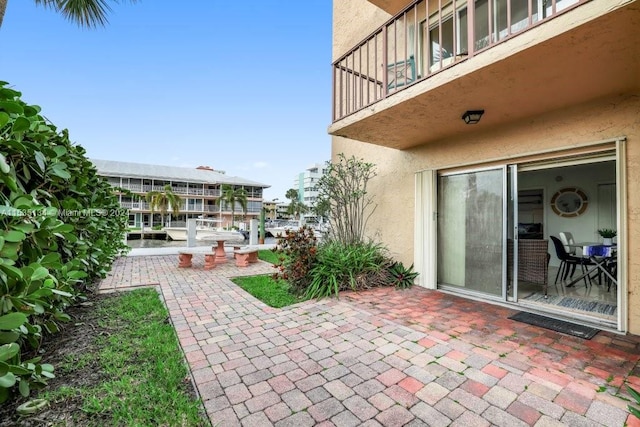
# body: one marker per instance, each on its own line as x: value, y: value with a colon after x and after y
x: 306, y: 184
x: 200, y: 190
x: 495, y: 125
x: 270, y: 209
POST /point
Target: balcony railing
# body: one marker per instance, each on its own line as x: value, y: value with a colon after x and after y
x: 130, y: 187
x: 138, y: 188
x: 179, y: 190
x: 136, y: 206
x: 250, y: 210
x: 426, y: 37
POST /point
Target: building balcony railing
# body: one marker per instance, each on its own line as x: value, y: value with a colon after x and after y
x: 144, y: 206
x: 179, y: 190
x: 425, y: 38
x: 136, y: 206
x: 250, y: 211
x: 191, y: 208
x: 138, y: 188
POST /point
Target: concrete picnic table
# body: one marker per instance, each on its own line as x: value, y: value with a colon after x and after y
x: 221, y: 237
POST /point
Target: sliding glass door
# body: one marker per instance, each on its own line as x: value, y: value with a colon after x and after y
x: 471, y: 231
x: 493, y: 226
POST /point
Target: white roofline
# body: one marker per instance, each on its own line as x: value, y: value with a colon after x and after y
x: 169, y: 173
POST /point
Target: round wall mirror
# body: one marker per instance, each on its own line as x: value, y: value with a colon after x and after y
x: 569, y: 202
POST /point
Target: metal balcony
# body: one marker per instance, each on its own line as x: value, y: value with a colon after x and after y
x: 425, y: 38
x: 410, y: 81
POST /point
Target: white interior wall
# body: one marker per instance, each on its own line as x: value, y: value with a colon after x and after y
x: 586, y: 177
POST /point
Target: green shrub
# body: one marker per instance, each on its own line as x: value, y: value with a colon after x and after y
x: 636, y: 396
x: 60, y: 228
x: 401, y: 276
x: 343, y: 197
x: 347, y: 267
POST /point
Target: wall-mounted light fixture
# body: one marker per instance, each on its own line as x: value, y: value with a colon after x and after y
x: 471, y: 117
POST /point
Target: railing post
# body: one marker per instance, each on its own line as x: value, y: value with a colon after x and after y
x: 492, y: 38
x: 333, y: 94
x: 347, y: 98
x: 385, y: 62
x: 508, y: 19
x: 471, y: 29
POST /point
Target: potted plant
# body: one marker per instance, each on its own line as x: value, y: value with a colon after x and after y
x: 607, y: 234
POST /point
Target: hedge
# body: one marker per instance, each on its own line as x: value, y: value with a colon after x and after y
x: 61, y: 227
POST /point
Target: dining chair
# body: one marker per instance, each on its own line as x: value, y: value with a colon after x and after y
x: 569, y: 262
x: 567, y: 239
x: 401, y: 73
x: 612, y: 266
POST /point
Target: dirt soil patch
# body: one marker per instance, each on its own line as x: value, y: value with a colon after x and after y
x: 75, y: 340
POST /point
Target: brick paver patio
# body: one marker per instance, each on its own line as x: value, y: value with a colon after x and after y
x: 381, y: 357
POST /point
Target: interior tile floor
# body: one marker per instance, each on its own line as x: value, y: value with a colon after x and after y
x: 593, y: 300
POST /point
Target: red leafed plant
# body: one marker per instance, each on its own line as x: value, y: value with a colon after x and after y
x: 297, y: 251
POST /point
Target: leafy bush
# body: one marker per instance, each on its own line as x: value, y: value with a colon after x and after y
x: 347, y: 267
x: 297, y: 255
x: 343, y: 196
x: 325, y: 270
x: 401, y: 276
x: 60, y: 228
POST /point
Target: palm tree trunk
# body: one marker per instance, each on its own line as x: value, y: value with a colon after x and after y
x: 233, y: 214
x: 3, y: 9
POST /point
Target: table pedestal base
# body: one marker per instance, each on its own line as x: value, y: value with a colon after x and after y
x: 221, y: 256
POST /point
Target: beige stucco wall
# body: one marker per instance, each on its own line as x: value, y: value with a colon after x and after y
x: 603, y: 118
x: 353, y: 20
x: 394, y: 187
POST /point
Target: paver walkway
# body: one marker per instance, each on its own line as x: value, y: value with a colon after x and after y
x: 380, y: 357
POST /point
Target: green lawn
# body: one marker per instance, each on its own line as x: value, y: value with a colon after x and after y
x: 274, y: 293
x: 268, y: 256
x: 142, y: 368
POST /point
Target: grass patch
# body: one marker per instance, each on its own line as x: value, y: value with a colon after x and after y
x: 143, y: 374
x: 268, y: 256
x: 274, y: 293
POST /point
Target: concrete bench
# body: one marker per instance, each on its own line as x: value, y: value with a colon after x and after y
x: 185, y: 258
x: 237, y: 248
x: 244, y: 256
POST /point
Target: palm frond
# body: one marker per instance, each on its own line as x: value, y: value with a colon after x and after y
x: 86, y: 13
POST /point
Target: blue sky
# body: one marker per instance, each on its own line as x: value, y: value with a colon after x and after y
x: 240, y: 86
